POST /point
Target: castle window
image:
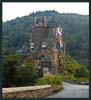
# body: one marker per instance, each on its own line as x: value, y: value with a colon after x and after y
x: 43, y: 44
x: 42, y: 56
x: 32, y: 45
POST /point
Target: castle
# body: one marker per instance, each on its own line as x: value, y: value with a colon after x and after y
x: 46, y: 45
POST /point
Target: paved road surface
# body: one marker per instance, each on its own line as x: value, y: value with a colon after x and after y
x: 72, y: 91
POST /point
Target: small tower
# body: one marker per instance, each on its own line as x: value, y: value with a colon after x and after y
x: 35, y: 19
x: 45, y: 21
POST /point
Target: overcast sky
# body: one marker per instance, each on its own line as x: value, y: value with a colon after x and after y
x: 13, y: 10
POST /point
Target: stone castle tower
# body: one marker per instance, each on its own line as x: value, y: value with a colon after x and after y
x: 46, y: 45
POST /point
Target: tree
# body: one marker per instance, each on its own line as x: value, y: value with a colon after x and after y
x: 75, y: 30
x: 9, y: 69
x: 27, y: 74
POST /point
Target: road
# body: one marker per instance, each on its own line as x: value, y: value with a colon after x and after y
x: 72, y: 91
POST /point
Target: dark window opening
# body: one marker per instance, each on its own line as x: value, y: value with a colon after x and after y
x: 42, y: 56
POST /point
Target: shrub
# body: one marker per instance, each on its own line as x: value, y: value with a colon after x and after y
x: 68, y: 76
x: 50, y: 79
x: 74, y: 71
x: 82, y: 79
x: 81, y: 72
x: 30, y: 60
x: 26, y: 74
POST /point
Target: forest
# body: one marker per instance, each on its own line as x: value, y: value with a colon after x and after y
x: 16, y: 34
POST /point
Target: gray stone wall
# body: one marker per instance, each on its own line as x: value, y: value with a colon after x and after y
x: 32, y: 93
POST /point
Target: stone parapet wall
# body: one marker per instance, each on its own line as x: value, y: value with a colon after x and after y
x: 27, y: 92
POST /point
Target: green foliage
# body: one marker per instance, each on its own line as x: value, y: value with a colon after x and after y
x: 70, y: 66
x: 82, y: 79
x: 75, y: 31
x: 9, y: 68
x: 30, y: 60
x: 68, y: 76
x: 75, y: 71
x: 27, y: 74
x: 17, y: 32
x: 81, y: 72
x: 50, y: 79
x: 17, y: 73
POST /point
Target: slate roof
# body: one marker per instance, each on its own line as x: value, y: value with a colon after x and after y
x: 22, y: 52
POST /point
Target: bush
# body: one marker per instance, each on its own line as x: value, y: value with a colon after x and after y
x: 10, y: 64
x: 75, y: 71
x: 30, y: 60
x: 71, y: 77
x: 83, y: 79
x: 50, y: 79
x: 17, y: 74
x: 81, y: 72
x: 26, y: 75
x: 68, y: 76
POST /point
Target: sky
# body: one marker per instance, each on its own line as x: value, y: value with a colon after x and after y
x: 12, y: 10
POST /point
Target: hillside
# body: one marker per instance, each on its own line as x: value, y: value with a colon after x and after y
x: 17, y: 32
